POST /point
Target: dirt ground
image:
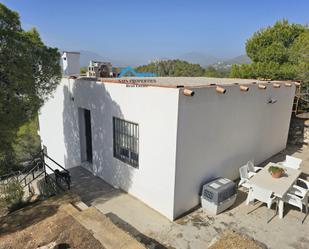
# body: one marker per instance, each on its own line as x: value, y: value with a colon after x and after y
x: 232, y: 240
x: 43, y: 225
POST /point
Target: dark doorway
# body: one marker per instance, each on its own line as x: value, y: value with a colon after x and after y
x: 87, y: 136
x: 87, y: 118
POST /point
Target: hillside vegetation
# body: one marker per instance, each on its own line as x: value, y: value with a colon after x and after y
x: 177, y: 68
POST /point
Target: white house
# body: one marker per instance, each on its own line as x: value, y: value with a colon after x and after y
x: 160, y: 138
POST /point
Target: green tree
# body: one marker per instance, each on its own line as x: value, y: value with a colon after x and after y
x: 83, y: 70
x: 27, y: 142
x: 29, y: 72
x: 172, y: 68
x: 299, y: 55
x: 277, y: 52
x: 210, y: 71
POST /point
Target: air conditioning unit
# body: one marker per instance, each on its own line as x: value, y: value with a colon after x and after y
x: 218, y: 195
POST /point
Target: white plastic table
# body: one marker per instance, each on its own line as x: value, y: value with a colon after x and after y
x: 279, y: 186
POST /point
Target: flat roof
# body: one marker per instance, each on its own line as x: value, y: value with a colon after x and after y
x: 186, y: 81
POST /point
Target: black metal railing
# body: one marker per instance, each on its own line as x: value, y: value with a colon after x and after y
x: 32, y: 173
x: 58, y: 173
x: 56, y: 178
x: 4, y: 179
x: 61, y: 167
x: 62, y: 175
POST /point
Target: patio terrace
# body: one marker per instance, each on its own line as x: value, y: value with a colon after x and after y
x: 197, y: 229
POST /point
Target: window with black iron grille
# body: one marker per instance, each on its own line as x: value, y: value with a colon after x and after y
x: 126, y: 136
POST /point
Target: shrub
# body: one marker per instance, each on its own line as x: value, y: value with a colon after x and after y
x: 12, y: 193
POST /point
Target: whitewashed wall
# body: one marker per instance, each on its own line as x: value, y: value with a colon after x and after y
x: 213, y: 134
x: 218, y: 133
x: 154, y: 109
x: 53, y: 126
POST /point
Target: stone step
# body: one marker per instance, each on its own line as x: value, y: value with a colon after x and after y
x: 102, y: 228
x: 70, y: 209
x: 80, y: 205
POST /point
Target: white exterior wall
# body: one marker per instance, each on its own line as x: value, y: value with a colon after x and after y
x: 218, y: 133
x: 154, y: 109
x: 213, y: 135
x: 50, y: 122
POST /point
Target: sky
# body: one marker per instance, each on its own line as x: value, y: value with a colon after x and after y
x: 142, y: 30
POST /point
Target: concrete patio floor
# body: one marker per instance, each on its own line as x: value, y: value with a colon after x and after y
x: 197, y: 229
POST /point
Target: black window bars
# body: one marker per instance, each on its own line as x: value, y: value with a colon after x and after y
x: 126, y: 141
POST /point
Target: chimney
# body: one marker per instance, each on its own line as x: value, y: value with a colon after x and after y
x: 70, y: 62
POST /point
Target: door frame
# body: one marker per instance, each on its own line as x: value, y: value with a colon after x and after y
x: 85, y: 135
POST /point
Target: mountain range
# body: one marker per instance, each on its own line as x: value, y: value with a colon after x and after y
x: 193, y: 57
x: 199, y: 58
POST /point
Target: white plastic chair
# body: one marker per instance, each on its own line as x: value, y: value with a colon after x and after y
x: 262, y: 195
x: 300, y: 190
x: 244, y: 177
x: 291, y: 162
x: 252, y: 168
x: 296, y: 201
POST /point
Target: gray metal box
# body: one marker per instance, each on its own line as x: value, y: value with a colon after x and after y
x: 218, y: 195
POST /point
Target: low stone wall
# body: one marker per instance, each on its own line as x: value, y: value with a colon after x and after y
x: 299, y: 132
